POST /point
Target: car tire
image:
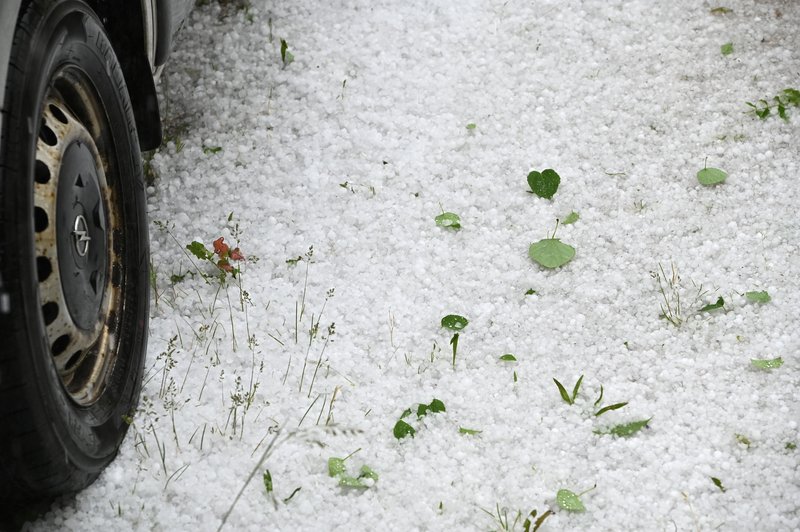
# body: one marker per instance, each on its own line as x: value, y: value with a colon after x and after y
x: 73, y: 255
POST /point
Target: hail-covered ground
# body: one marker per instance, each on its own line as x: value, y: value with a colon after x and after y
x: 326, y: 161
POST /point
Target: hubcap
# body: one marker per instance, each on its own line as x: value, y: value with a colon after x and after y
x: 76, y: 227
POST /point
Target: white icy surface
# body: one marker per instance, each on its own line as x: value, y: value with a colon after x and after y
x: 625, y: 100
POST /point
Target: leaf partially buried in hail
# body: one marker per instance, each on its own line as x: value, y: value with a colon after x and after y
x: 551, y: 252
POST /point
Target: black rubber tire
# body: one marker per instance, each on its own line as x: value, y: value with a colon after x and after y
x: 53, y: 440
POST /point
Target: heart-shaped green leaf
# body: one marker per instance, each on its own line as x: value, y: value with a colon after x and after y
x: 568, y: 500
x: 403, y: 429
x: 711, y: 176
x: 545, y: 183
x: 454, y: 322
x: 551, y: 252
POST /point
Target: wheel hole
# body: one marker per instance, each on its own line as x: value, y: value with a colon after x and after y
x: 60, y: 345
x: 49, y: 312
x: 47, y: 135
x: 40, y: 221
x: 73, y: 360
x: 43, y: 268
x: 58, y: 114
x: 41, y: 173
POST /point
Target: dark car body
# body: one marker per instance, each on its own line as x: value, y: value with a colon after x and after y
x: 142, y: 34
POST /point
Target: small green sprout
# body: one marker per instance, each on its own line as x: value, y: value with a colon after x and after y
x: 761, y: 363
x: 608, y: 408
x: 402, y: 429
x: 758, y: 297
x: 508, y: 357
x: 471, y: 126
x: 564, y: 395
x: 720, y: 303
x: 530, y: 292
x: 471, y: 432
x: 268, y: 481
x: 526, y: 526
x: 571, y: 218
x: 744, y: 440
x: 718, y: 483
x: 726, y: 49
x: 551, y: 252
x: 286, y: 56
x: 721, y: 11
x: 338, y: 469
x: 211, y: 150
x: 454, y: 322
x: 599, y: 399
x: 448, y: 219
x: 627, y: 429
x: 545, y: 183
x: 788, y: 97
x: 570, y: 501
x: 790, y: 446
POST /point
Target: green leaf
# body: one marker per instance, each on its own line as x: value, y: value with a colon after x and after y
x: 790, y: 446
x: 571, y: 218
x: 471, y: 126
x: 437, y: 406
x: 711, y: 176
x: 422, y: 410
x: 462, y: 430
x: 629, y: 429
x: 551, y: 252
x: 718, y: 483
x: 608, y: 408
x: 367, y: 472
x: 563, y: 392
x: 761, y: 363
x: 576, y: 388
x: 544, y: 184
x: 286, y: 55
x: 530, y: 292
x: 448, y: 219
x: 211, y: 150
x: 744, y: 440
x: 726, y: 48
x: 336, y: 466
x: 351, y: 482
x: 403, y: 429
x: 406, y: 412
x: 199, y: 250
x: 508, y: 357
x: 268, y: 481
x: 792, y: 96
x: 720, y: 303
x: 599, y: 398
x: 454, y: 322
x: 721, y: 11
x: 568, y: 500
x: 758, y: 297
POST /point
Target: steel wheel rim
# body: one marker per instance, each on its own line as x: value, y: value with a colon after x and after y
x: 77, y: 232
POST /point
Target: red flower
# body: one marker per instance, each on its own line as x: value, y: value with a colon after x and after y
x: 221, y: 248
x: 236, y: 254
x: 225, y: 266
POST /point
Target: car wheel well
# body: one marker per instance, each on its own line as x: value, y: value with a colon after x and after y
x: 124, y: 26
